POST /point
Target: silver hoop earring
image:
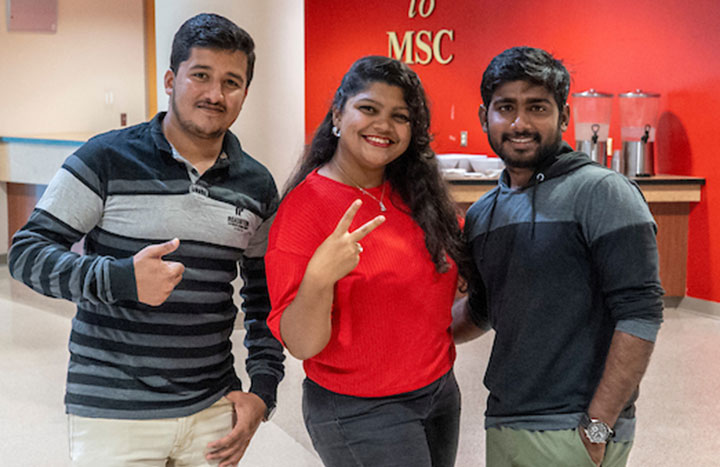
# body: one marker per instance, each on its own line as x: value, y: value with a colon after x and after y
x: 336, y: 131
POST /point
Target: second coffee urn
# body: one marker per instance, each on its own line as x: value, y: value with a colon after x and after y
x: 638, y: 117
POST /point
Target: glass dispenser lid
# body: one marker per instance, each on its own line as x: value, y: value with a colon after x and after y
x: 639, y: 93
x: 592, y: 93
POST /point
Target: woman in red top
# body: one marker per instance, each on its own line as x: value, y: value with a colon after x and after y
x: 362, y: 268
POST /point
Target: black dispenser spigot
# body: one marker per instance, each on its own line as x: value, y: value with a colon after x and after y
x: 646, y: 136
x: 595, y: 129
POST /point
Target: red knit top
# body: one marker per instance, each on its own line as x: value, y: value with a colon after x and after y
x: 391, y: 315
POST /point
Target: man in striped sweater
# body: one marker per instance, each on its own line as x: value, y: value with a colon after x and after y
x: 168, y: 209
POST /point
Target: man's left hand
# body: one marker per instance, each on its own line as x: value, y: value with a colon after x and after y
x: 249, y: 411
x: 596, y: 450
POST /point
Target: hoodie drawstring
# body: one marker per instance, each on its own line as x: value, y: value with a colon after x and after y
x: 536, y: 180
x: 564, y: 161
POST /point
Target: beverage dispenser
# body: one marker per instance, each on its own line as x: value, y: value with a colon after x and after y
x: 638, y: 117
x: 591, y: 110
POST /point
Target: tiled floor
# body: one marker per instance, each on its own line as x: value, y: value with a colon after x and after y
x: 678, y: 408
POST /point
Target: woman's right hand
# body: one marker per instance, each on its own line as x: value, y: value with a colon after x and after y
x: 340, y: 252
x: 306, y: 324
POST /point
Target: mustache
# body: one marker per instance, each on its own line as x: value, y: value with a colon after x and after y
x: 211, y: 105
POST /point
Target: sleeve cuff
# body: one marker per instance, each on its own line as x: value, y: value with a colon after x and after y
x: 643, y: 329
x: 122, y: 279
x: 265, y: 387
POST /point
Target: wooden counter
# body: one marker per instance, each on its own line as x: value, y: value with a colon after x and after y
x: 669, y: 197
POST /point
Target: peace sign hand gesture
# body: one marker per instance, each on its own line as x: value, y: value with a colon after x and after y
x: 306, y: 324
x: 340, y: 252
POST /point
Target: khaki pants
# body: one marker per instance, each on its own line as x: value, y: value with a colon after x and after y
x: 181, y: 442
x: 506, y: 447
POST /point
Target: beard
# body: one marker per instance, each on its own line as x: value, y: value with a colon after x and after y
x: 526, y: 161
x: 191, y: 127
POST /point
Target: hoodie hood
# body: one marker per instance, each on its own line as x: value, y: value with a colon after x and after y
x: 564, y: 161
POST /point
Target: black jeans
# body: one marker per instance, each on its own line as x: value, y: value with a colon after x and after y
x: 414, y: 429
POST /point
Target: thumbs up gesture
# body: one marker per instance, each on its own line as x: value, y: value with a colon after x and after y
x: 156, y: 278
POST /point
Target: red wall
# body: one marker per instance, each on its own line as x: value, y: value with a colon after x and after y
x: 614, y: 46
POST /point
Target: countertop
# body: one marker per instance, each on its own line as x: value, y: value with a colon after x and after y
x: 657, y: 188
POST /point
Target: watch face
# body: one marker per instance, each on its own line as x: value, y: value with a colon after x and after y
x: 597, y: 432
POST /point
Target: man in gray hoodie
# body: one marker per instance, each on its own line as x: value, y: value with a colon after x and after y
x: 567, y: 276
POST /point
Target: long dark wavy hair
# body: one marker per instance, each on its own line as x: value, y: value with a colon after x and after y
x: 414, y: 175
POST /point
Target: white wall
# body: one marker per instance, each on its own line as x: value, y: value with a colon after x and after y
x: 271, y: 126
x: 56, y: 83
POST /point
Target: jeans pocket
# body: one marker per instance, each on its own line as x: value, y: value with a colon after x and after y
x: 582, y: 451
x: 318, y: 408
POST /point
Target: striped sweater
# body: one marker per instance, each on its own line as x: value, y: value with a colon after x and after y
x: 123, y: 191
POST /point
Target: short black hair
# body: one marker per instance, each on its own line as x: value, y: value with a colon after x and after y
x: 528, y: 64
x: 214, y: 32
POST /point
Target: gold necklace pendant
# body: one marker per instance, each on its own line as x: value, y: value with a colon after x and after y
x: 379, y: 201
x: 363, y: 190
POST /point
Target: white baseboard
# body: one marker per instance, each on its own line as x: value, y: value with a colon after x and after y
x: 705, y: 307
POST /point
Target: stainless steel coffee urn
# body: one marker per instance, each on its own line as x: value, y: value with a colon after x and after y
x: 638, y: 117
x: 591, y: 110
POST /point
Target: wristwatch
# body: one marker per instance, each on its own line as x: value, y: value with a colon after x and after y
x: 597, y: 431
